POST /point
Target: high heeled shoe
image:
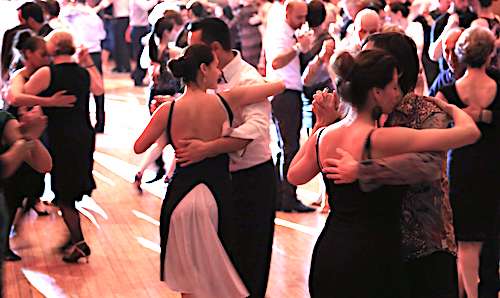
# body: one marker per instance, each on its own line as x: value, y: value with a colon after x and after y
x: 78, y: 250
x: 137, y: 182
x: 159, y: 174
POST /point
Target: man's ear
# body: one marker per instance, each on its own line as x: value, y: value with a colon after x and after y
x: 216, y: 46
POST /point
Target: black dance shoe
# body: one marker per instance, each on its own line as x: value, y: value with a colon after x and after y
x: 295, y: 206
x: 137, y: 182
x: 78, y: 251
x: 10, y: 256
x: 159, y: 174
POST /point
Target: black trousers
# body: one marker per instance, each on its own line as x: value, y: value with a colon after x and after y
x: 99, y: 100
x: 432, y: 276
x: 254, y: 195
x: 287, y: 117
x: 138, y: 32
x: 489, y: 284
x: 121, y: 52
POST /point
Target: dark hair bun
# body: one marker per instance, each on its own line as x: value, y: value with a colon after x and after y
x: 187, y: 66
x: 22, y: 38
x: 177, y: 67
x: 343, y: 68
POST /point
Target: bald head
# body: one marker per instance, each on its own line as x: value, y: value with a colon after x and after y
x: 367, y: 22
x: 296, y: 13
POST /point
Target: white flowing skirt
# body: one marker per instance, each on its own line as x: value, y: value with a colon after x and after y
x: 196, y: 262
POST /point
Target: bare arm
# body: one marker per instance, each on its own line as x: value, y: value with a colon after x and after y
x: 38, y: 82
x: 284, y: 58
x: 13, y: 157
x: 309, y: 76
x: 241, y: 96
x: 398, y: 140
x: 153, y: 130
x: 304, y: 166
x: 17, y: 97
x: 96, y: 84
x: 37, y: 157
x: 409, y: 168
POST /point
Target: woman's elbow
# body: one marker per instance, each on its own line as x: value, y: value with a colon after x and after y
x: 474, y: 134
x: 294, y: 178
x: 45, y: 166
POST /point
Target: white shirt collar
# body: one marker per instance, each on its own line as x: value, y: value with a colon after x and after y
x: 233, y: 67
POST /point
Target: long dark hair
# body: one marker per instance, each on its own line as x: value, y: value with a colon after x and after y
x: 163, y: 24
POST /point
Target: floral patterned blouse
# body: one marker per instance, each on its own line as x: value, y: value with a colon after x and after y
x: 426, y: 221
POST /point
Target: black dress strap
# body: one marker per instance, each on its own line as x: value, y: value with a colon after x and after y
x: 317, y: 148
x: 228, y: 109
x: 367, y: 150
x: 169, y: 124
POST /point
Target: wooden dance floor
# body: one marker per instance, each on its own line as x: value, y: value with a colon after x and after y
x: 121, y: 226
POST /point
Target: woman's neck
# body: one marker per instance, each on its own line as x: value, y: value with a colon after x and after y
x: 62, y: 59
x: 193, y: 89
x: 475, y: 72
x: 28, y: 69
x: 364, y: 116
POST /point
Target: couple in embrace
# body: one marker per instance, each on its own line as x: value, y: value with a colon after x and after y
x: 395, y: 240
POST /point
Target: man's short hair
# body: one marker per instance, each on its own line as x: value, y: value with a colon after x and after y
x: 32, y: 10
x: 316, y: 13
x: 212, y: 30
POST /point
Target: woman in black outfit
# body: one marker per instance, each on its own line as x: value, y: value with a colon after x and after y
x: 473, y: 170
x: 357, y: 253
x: 196, y: 210
x: 71, y: 136
x: 26, y: 182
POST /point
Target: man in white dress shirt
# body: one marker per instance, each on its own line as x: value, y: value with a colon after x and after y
x: 282, y: 49
x: 119, y: 23
x: 140, y: 28
x: 251, y: 166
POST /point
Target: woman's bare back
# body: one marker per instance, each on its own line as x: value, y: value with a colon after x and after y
x: 201, y: 118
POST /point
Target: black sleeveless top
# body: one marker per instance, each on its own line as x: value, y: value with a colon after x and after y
x: 353, y: 206
x: 358, y: 251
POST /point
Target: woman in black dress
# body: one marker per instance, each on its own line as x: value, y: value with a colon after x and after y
x: 195, y: 211
x: 357, y: 253
x: 71, y: 136
x: 474, y: 170
x: 26, y: 182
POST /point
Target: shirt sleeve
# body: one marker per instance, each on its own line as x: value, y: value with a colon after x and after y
x: 255, y: 117
x: 409, y: 168
x: 276, y: 44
